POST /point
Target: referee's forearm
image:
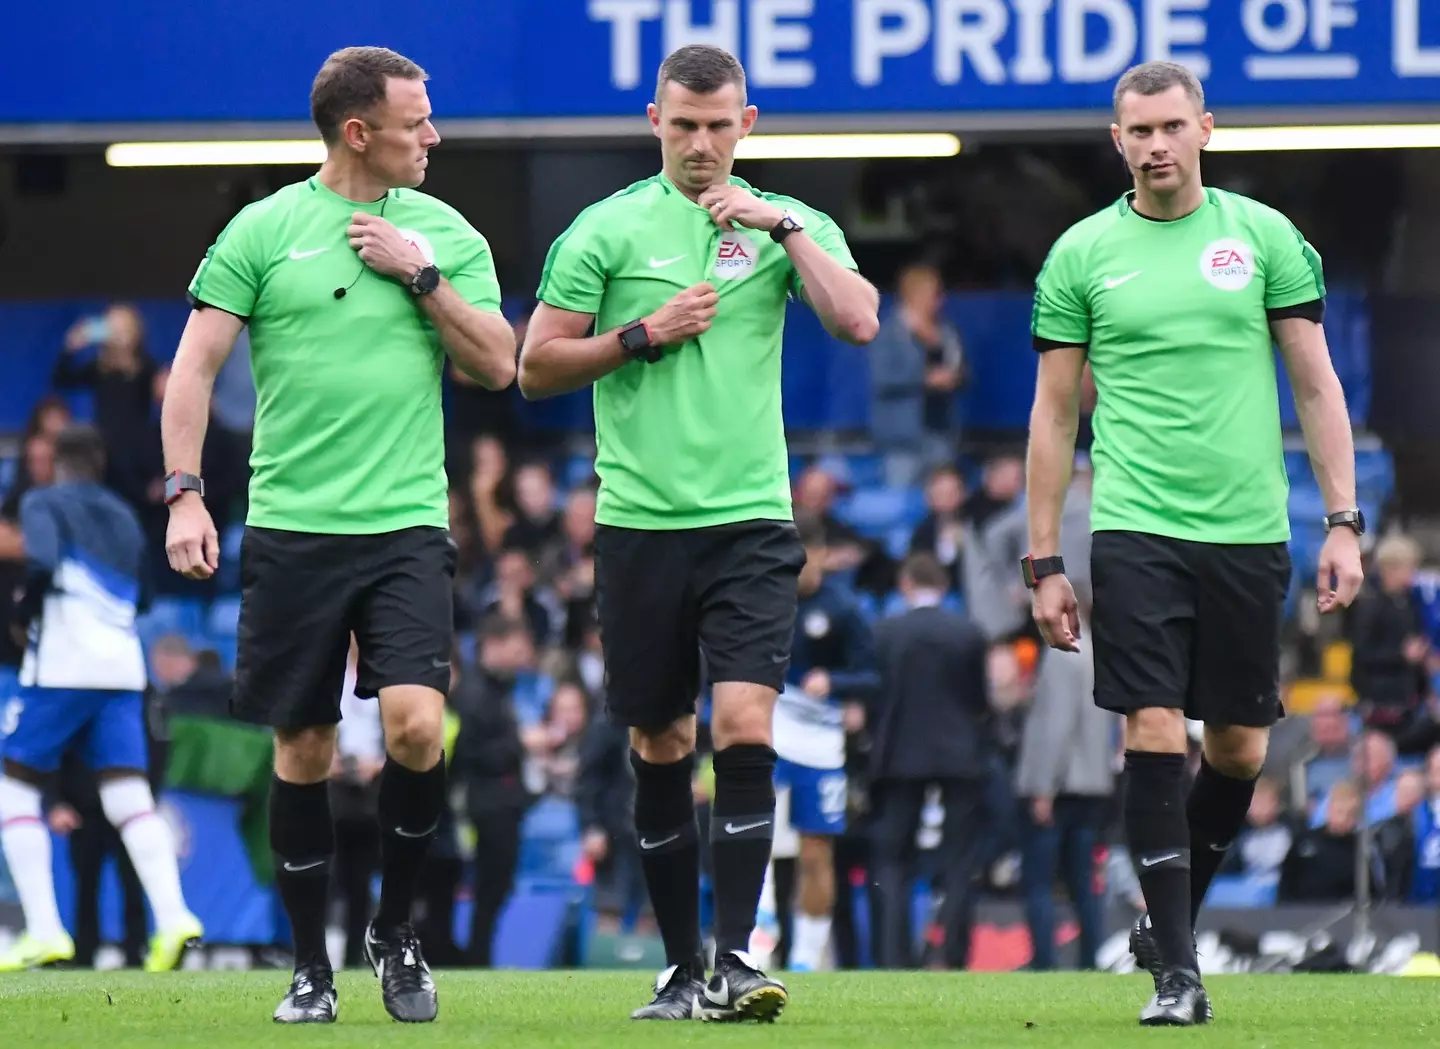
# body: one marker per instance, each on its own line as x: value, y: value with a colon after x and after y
x: 1326, y: 425
x: 846, y: 303
x: 481, y: 343
x: 1049, y: 459
x: 556, y: 366
x: 185, y: 415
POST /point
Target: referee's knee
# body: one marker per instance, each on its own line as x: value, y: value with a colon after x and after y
x: 742, y: 712
x: 1236, y: 751
x: 665, y: 745
x: 1156, y: 730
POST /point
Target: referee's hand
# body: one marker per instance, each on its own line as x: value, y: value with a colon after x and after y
x: 1057, y: 613
x: 1340, y: 574
x: 191, y: 542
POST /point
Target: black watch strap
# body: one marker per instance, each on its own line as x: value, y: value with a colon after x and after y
x: 635, y: 341
x: 178, y: 483
x: 1034, y: 569
x: 1352, y: 519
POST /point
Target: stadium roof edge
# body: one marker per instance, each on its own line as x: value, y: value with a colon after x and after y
x: 996, y: 124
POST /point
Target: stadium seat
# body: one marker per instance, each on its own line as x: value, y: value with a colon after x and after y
x: 1236, y: 891
x: 550, y: 839
x: 579, y: 470
x: 897, y: 541
x: 469, y: 646
x: 229, y: 574
x: 1374, y: 475
x: 1307, y: 502
x: 874, y: 511
x: 866, y: 471
x: 172, y: 615
x: 224, y: 618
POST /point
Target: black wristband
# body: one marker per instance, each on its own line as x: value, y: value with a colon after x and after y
x: 1034, y: 569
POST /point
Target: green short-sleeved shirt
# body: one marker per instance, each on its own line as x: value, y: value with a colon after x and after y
x: 1176, y: 316
x: 696, y: 439
x: 349, y: 431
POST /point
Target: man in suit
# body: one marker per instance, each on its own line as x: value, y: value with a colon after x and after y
x: 930, y: 725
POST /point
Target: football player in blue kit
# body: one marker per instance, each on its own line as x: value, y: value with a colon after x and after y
x: 80, y: 685
x: 832, y: 665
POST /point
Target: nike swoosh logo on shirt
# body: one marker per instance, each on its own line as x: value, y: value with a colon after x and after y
x: 298, y: 255
x: 647, y: 845
x: 1150, y: 861
x: 656, y: 264
x: 296, y: 868
x: 1111, y: 285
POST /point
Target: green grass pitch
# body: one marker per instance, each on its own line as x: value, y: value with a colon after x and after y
x: 217, y: 1010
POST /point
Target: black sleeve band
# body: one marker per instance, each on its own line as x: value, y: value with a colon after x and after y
x: 1046, y: 345
x: 201, y: 304
x: 1314, y: 310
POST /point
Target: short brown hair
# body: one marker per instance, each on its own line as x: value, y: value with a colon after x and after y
x: 352, y: 82
x: 1154, y: 78
x: 702, y: 69
x: 925, y: 572
x: 80, y: 452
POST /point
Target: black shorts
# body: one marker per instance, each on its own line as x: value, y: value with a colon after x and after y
x: 667, y: 599
x: 301, y: 596
x: 1190, y: 626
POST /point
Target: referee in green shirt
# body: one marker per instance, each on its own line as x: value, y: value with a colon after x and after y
x: 683, y: 279
x: 355, y: 287
x: 1175, y: 294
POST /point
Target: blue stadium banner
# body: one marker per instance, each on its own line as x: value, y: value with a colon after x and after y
x: 96, y: 61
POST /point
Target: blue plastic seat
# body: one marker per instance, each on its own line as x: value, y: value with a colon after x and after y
x: 224, y: 618
x: 172, y: 615
x: 1238, y: 891
x: 875, y: 511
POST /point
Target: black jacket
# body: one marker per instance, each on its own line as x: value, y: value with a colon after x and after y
x: 489, y: 756
x: 605, y: 790
x: 931, y: 718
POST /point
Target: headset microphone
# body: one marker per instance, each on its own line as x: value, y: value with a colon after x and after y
x: 1146, y: 167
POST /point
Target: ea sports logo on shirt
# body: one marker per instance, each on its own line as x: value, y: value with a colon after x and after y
x: 421, y: 243
x: 735, y: 256
x: 1228, y: 264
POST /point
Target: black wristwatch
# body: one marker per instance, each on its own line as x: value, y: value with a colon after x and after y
x: 1352, y: 519
x: 177, y: 484
x: 789, y: 223
x: 635, y: 341
x: 425, y: 281
x: 1034, y: 569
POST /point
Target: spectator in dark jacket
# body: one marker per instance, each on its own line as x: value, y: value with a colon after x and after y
x: 1320, y: 867
x: 1388, y: 637
x: 917, y: 365
x: 605, y: 797
x: 929, y: 724
x: 1395, y: 838
x: 488, y: 766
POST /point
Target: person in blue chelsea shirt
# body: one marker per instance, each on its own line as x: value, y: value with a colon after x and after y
x: 832, y: 666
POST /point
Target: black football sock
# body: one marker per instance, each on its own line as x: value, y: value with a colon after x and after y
x: 669, y: 838
x: 1159, y: 838
x: 409, y: 809
x: 1216, y: 811
x: 302, y: 842
x: 742, y: 830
